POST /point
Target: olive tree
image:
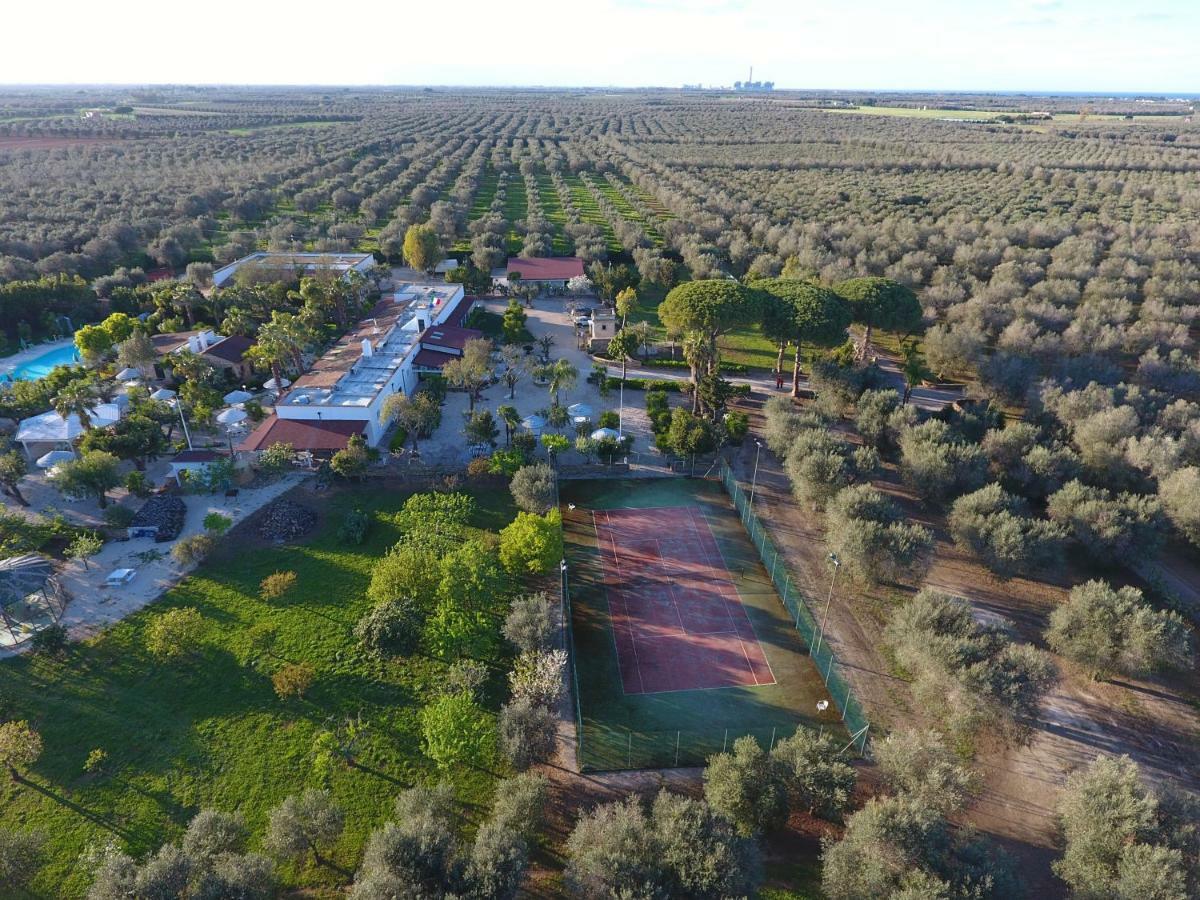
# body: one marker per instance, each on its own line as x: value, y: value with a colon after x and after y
x: 997, y: 527
x: 1112, y: 631
x: 533, y: 489
x: 866, y: 531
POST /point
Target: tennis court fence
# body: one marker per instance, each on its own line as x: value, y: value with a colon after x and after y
x: 832, y: 672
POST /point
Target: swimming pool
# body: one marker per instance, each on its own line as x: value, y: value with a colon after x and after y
x: 40, y: 366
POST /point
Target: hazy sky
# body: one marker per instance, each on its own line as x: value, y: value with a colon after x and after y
x: 1072, y: 45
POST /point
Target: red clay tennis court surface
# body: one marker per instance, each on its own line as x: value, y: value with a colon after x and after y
x: 677, y: 619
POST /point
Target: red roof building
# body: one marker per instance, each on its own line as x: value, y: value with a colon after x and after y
x: 441, y: 344
x: 551, y: 268
x: 315, y: 436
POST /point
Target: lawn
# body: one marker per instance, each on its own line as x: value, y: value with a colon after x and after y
x: 210, y: 732
x: 746, y: 345
x: 682, y: 727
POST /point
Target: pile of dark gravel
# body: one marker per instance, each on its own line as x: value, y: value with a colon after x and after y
x: 284, y: 520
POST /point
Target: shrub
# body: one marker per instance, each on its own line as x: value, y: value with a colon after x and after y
x: 682, y: 848
x: 1112, y: 529
x: 532, y: 488
x: 194, y: 549
x: 1179, y: 493
x: 174, y: 634
x: 49, y: 641
x: 1113, y: 826
x: 539, y: 676
x: 532, y: 545
x: 939, y: 465
x: 303, y: 824
x: 293, y: 680
x: 119, y: 516
x: 527, y: 732
x: 353, y: 529
x: 737, y: 426
x: 971, y: 675
x: 865, y: 531
x: 1113, y: 630
x: 995, y: 526
x: 391, y: 628
x: 643, y: 384
x: 920, y: 765
x: 276, y: 585
x: 456, y: 731
x: 20, y: 857
x: 531, y: 622
x: 744, y: 786
x: 217, y: 524
x: 20, y: 746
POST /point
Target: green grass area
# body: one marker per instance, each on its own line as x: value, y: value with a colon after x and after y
x: 210, y: 732
x: 516, y: 207
x: 589, y: 211
x: 623, y: 206
x: 796, y: 878
x: 746, y: 346
x: 552, y: 209
x: 646, y: 197
x: 655, y: 730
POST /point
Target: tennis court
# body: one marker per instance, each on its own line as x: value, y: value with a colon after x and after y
x: 678, y: 622
x: 681, y: 644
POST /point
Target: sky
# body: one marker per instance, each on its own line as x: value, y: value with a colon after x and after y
x: 1022, y: 45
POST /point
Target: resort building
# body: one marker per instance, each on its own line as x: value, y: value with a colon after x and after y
x: 276, y: 266
x: 550, y: 271
x: 223, y: 353
x: 344, y: 391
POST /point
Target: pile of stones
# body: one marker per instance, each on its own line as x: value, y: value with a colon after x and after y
x: 284, y: 520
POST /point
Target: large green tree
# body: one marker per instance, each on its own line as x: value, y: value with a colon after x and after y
x: 422, y: 249
x: 802, y: 312
x: 93, y: 474
x: 881, y: 303
x: 706, y: 310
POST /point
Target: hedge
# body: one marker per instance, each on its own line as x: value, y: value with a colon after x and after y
x: 728, y: 368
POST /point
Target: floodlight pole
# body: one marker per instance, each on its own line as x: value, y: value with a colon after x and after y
x: 754, y: 479
x: 179, y: 408
x: 837, y: 564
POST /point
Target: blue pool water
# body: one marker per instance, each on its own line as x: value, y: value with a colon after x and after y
x: 40, y: 366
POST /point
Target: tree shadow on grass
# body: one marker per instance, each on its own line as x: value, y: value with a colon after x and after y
x: 106, y: 823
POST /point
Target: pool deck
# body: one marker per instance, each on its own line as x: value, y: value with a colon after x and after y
x: 10, y: 364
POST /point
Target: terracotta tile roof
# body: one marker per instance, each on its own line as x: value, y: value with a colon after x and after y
x: 460, y: 313
x: 338, y: 359
x: 449, y: 336
x: 232, y: 349
x: 302, y: 434
x: 552, y: 268
x: 431, y: 359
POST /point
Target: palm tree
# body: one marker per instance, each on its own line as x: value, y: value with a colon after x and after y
x: 562, y: 377
x: 511, y: 419
x: 912, y: 366
x: 76, y: 397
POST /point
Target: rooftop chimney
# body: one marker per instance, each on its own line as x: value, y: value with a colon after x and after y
x: 367, y: 349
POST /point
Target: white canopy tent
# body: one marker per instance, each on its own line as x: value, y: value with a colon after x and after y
x: 534, y: 423
x: 233, y: 398
x: 600, y: 433
x: 51, y: 428
x: 128, y: 374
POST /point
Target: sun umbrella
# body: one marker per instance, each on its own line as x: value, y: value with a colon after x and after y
x: 128, y: 374
x: 272, y: 385
x: 601, y: 433
x: 239, y: 396
x: 231, y: 416
x: 534, y: 423
x: 53, y: 458
x: 163, y: 394
x: 580, y: 411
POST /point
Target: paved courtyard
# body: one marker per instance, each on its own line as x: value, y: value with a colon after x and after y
x: 548, y: 316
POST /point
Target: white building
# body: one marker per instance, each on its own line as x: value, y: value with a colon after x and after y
x: 344, y: 391
x: 299, y: 264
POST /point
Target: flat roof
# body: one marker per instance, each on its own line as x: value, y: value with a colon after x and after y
x: 309, y: 262
x: 345, y: 375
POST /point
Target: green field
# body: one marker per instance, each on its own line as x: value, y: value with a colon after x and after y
x: 685, y: 727
x: 210, y: 732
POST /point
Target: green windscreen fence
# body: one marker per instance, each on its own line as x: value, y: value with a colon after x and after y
x: 798, y: 606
